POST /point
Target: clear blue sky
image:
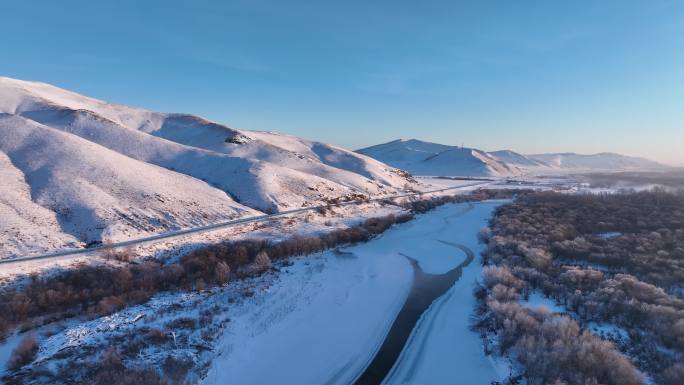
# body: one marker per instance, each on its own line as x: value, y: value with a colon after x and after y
x: 532, y: 76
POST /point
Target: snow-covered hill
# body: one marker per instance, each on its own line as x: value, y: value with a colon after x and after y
x: 94, y: 167
x: 425, y: 158
x: 68, y: 185
x: 604, y: 161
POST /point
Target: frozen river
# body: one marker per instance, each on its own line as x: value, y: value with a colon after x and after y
x: 394, y: 310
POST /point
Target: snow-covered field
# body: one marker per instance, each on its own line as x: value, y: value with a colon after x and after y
x: 323, y: 320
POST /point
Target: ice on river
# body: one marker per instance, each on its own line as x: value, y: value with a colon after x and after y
x: 322, y: 321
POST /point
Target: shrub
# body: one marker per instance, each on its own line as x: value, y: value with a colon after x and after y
x: 176, y: 369
x: 672, y: 375
x: 182, y: 323
x: 157, y: 336
x: 24, y: 353
x: 262, y: 261
x: 109, y: 252
x: 110, y: 370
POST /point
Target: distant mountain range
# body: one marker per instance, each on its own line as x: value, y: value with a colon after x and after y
x: 433, y: 159
x: 78, y: 170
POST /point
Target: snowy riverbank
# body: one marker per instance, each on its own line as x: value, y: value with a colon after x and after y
x: 323, y: 320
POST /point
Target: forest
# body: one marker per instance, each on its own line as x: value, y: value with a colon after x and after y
x: 615, y: 260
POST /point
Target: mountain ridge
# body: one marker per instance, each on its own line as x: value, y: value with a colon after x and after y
x: 427, y: 158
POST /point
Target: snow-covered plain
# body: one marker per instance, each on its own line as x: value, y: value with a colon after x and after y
x: 323, y: 320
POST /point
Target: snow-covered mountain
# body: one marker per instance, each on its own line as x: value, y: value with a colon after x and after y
x: 425, y: 158
x: 85, y: 170
x: 604, y: 161
x: 434, y: 159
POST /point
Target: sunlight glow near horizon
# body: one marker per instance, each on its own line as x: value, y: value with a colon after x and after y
x: 533, y: 77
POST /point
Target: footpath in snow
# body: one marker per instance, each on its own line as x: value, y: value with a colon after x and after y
x: 324, y: 319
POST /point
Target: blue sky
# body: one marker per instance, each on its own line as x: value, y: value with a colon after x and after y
x: 532, y: 76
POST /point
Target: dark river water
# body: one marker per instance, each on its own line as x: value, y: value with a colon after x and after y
x: 425, y: 290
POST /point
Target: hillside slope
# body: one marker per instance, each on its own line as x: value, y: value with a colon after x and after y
x: 25, y: 225
x: 92, y: 193
x: 259, y: 184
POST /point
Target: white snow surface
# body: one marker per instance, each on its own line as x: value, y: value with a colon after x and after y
x: 319, y: 325
x: 433, y: 159
x: 323, y: 320
x: 538, y: 300
x: 25, y: 224
x: 19, y: 96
